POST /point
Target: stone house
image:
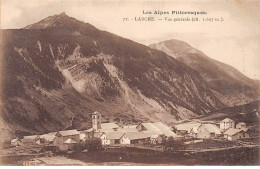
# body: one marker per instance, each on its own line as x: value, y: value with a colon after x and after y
x: 235, y: 134
x: 241, y: 125
x: 157, y: 139
x: 208, y: 131
x: 15, y: 142
x: 135, y: 138
x: 114, y: 137
x: 29, y: 139
x: 226, y: 124
x: 62, y: 136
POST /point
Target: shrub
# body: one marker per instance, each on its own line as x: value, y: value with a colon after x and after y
x: 78, y: 147
x: 93, y: 144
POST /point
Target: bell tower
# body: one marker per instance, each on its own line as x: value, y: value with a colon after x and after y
x: 96, y: 120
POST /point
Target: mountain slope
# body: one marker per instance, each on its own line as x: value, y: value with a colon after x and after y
x: 59, y: 70
x: 229, y: 85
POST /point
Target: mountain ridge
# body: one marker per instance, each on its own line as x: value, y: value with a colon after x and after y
x: 57, y: 73
x: 224, y: 80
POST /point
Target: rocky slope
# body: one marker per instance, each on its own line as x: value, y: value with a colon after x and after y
x: 59, y: 70
x: 228, y: 84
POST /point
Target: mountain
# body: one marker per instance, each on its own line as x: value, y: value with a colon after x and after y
x: 248, y: 113
x: 60, y: 70
x: 228, y: 84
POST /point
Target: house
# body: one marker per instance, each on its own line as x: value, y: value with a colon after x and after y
x: 234, y: 134
x: 15, y: 142
x: 114, y: 137
x: 86, y: 134
x: 45, y: 139
x: 240, y: 125
x: 134, y: 138
x: 208, y: 131
x: 156, y: 128
x: 29, y: 139
x: 62, y: 136
x: 97, y: 134
x: 104, y: 139
x: 194, y: 132
x: 157, y: 139
x: 226, y: 124
x: 184, y: 129
x: 69, y: 143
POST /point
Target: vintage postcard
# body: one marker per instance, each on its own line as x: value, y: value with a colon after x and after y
x: 131, y: 82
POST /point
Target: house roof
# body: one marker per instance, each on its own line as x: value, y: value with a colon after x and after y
x: 154, y: 136
x: 87, y: 131
x: 70, y: 141
x: 98, y: 134
x: 29, y: 138
x: 187, y: 126
x: 137, y: 136
x: 158, y: 128
x: 48, y: 137
x: 127, y: 130
x: 130, y: 126
x: 114, y: 135
x: 68, y: 132
x: 96, y: 112
x: 241, y: 123
x: 52, y: 133
x: 14, y: 140
x: 109, y: 125
x: 105, y: 130
x: 151, y: 128
x: 212, y: 128
x: 195, y: 129
x: 244, y: 129
x: 227, y: 120
x: 165, y: 129
x: 232, y: 131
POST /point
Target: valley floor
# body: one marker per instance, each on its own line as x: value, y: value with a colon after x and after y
x: 137, y: 156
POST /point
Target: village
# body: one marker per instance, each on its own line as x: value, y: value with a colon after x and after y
x: 114, y: 143
x: 155, y: 133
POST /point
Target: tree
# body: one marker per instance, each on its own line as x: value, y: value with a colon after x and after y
x: 93, y: 144
x: 79, y: 147
x: 177, y: 145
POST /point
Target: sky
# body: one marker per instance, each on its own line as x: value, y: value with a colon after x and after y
x: 235, y: 41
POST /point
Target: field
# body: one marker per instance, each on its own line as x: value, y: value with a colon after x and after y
x: 236, y: 156
x: 209, y: 152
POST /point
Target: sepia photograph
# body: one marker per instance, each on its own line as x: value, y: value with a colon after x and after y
x: 130, y: 83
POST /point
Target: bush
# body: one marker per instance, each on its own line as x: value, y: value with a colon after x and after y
x: 79, y: 147
x: 93, y: 144
x: 54, y: 149
x: 170, y: 143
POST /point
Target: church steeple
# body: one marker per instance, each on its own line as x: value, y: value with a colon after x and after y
x: 96, y: 120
